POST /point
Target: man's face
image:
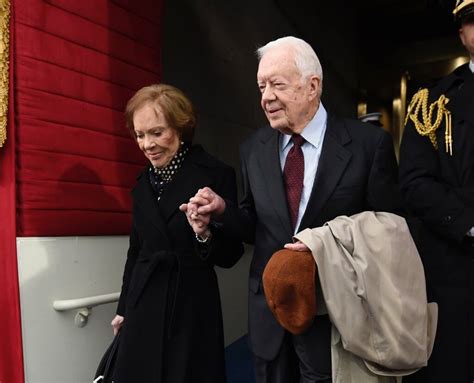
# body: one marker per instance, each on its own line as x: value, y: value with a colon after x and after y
x: 289, y: 102
x: 466, y: 33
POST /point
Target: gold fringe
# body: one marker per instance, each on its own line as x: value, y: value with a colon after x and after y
x: 419, y: 105
x: 4, y: 64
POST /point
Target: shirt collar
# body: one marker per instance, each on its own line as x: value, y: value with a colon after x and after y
x: 471, y: 66
x: 313, y: 131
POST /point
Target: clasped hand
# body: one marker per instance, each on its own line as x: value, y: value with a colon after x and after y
x: 207, y: 204
x: 200, y: 208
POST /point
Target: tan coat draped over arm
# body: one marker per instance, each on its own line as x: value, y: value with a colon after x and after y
x: 373, y: 285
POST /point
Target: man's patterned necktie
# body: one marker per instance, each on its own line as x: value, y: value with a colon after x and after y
x: 293, y: 175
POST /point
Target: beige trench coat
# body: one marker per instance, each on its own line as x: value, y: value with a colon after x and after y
x: 373, y: 288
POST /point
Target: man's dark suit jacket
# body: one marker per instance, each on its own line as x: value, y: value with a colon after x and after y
x: 357, y: 171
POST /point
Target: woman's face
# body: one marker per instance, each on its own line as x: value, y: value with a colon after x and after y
x: 158, y: 141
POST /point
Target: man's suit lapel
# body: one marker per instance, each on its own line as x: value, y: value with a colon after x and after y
x: 332, y: 163
x: 269, y: 162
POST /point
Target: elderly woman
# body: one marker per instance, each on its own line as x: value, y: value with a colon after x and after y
x: 169, y: 312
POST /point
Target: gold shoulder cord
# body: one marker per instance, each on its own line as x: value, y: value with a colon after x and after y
x: 427, y: 128
x: 4, y: 62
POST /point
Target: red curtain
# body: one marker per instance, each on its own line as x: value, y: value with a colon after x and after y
x: 11, y: 360
x: 77, y: 64
x: 68, y: 164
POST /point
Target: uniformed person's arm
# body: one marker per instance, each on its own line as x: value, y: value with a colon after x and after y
x: 424, y: 191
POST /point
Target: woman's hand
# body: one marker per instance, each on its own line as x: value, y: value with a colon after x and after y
x: 117, y: 323
x: 198, y: 222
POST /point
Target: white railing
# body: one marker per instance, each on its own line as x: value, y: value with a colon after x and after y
x: 84, y: 306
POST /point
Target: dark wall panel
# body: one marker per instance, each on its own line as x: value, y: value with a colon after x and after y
x: 209, y: 52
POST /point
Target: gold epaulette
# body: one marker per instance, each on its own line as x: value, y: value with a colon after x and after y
x: 419, y: 107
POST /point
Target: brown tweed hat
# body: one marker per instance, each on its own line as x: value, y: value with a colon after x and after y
x: 289, y: 282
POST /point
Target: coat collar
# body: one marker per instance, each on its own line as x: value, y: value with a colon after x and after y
x: 272, y: 178
x: 144, y: 200
x: 458, y: 88
x: 452, y: 82
x: 190, y: 177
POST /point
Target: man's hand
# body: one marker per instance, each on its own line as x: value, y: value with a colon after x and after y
x: 297, y: 246
x: 208, y: 202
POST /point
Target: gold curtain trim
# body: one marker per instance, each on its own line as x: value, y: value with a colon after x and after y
x: 4, y: 64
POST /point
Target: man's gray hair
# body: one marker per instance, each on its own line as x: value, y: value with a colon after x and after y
x: 306, y: 59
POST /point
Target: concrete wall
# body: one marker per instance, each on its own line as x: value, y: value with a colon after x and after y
x: 55, y: 350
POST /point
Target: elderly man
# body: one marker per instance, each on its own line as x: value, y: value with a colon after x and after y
x: 303, y: 169
x: 437, y: 182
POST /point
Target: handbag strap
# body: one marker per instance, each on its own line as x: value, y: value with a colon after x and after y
x: 112, y: 355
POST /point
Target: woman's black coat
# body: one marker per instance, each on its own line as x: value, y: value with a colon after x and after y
x: 172, y: 330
